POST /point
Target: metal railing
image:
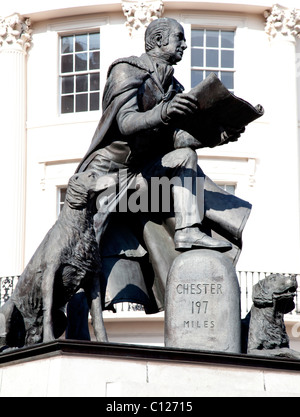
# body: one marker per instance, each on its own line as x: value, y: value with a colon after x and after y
x: 247, y: 279
x: 7, y: 285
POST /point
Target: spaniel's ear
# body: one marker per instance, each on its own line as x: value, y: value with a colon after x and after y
x: 262, y: 295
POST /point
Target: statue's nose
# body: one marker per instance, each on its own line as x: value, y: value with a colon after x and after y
x: 293, y: 281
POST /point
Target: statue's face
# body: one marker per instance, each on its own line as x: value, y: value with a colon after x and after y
x: 173, y: 52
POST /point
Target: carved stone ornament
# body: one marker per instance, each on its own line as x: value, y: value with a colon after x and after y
x: 140, y: 13
x: 15, y: 32
x: 282, y: 21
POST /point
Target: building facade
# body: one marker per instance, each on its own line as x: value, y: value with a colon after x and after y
x: 54, y: 58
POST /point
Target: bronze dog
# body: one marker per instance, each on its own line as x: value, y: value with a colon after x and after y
x: 272, y: 298
x: 66, y: 260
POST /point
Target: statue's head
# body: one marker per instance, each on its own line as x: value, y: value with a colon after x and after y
x: 165, y: 39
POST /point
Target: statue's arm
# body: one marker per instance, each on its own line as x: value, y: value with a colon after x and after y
x: 131, y: 120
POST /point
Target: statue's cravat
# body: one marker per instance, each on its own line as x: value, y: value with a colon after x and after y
x: 164, y: 72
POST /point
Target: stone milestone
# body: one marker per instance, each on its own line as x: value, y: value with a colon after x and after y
x: 203, y: 303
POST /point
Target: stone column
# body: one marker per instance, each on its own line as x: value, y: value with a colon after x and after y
x: 15, y: 38
x: 278, y: 192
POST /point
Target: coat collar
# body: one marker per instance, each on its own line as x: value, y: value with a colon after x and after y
x: 145, y: 63
x: 148, y: 64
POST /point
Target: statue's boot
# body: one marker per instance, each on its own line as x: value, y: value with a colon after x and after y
x: 192, y: 237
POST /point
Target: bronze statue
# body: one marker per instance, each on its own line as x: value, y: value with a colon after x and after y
x: 125, y: 255
x: 137, y: 138
x: 273, y: 297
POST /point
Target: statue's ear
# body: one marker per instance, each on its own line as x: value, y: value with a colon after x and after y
x: 158, y: 39
x: 262, y: 295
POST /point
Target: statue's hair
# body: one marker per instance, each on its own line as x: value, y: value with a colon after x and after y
x: 158, y: 29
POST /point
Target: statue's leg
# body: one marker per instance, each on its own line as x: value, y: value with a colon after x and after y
x: 47, y: 296
x: 94, y: 297
x: 181, y: 167
x: 188, y: 188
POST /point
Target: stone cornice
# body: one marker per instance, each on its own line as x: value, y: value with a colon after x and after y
x: 139, y: 13
x: 282, y: 21
x: 15, y: 33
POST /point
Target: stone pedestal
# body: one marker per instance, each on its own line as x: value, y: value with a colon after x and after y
x: 203, y: 303
x: 90, y: 369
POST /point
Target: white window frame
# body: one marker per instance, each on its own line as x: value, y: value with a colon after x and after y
x: 59, y: 202
x: 225, y: 185
x: 219, y: 48
x: 213, y: 20
x: 75, y: 73
x: 68, y: 27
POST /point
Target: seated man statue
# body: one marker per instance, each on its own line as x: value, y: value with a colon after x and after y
x: 143, y: 103
x: 143, y: 106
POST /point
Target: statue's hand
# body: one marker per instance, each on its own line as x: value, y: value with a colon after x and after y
x: 181, y: 105
x: 231, y: 135
x: 234, y: 134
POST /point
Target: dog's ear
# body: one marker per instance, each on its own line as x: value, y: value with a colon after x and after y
x: 261, y: 294
x: 77, y: 195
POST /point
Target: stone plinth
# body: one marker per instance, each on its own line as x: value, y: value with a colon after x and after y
x: 202, y: 308
x: 90, y: 369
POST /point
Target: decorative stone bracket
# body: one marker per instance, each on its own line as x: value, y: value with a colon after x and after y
x: 140, y: 13
x: 282, y: 21
x: 15, y: 32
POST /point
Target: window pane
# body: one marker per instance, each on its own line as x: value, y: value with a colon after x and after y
x: 81, y: 102
x: 206, y: 73
x: 94, y: 101
x: 227, y: 79
x: 197, y: 77
x: 81, y: 62
x: 94, y: 82
x: 67, y: 85
x: 94, y: 60
x: 197, y: 58
x: 80, y: 43
x: 197, y: 37
x: 230, y: 189
x: 79, y: 73
x: 212, y: 58
x: 227, y: 39
x: 67, y: 63
x: 94, y: 41
x: 227, y: 59
x: 81, y: 83
x: 61, y: 198
x: 62, y: 195
x: 216, y: 54
x: 67, y: 104
x: 212, y: 38
x: 66, y: 44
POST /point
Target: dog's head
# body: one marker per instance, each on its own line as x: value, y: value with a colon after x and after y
x: 82, y: 187
x: 276, y: 290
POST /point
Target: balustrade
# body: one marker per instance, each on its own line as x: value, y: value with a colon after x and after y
x: 247, y: 279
